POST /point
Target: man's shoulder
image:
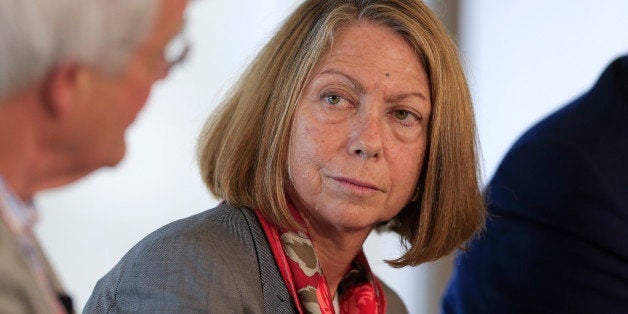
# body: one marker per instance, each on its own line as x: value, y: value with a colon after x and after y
x: 19, y: 292
x: 596, y: 118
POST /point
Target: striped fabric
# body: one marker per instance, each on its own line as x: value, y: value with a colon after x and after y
x: 20, y: 218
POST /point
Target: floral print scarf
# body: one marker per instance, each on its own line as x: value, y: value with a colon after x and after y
x: 359, y: 291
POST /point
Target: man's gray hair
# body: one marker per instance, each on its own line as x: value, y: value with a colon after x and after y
x: 37, y: 35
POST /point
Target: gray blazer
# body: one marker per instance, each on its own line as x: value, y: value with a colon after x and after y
x: 215, y: 261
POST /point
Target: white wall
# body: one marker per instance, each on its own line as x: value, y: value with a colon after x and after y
x: 524, y: 58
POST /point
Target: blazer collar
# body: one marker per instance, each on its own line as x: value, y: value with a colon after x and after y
x: 274, y: 291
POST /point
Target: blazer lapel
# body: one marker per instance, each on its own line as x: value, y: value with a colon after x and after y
x: 274, y: 291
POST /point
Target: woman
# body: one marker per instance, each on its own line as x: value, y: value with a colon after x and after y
x: 355, y: 115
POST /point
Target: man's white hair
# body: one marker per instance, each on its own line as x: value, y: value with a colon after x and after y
x: 37, y: 35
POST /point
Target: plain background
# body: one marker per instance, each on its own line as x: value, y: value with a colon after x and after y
x: 524, y: 59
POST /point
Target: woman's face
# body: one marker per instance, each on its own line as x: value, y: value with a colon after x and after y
x: 359, y: 133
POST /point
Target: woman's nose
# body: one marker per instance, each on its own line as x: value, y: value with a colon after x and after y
x: 366, y: 137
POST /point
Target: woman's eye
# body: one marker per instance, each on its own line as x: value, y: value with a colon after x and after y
x: 333, y: 99
x: 401, y: 114
x: 405, y: 117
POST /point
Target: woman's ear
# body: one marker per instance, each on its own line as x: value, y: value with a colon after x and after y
x: 63, y: 88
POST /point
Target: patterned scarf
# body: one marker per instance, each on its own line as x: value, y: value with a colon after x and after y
x: 359, y: 290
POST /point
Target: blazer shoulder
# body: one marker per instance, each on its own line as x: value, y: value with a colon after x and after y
x: 197, y: 263
x: 222, y: 226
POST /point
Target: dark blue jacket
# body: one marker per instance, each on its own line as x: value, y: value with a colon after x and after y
x: 557, y: 236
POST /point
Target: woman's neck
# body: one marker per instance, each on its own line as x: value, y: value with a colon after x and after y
x: 336, y: 249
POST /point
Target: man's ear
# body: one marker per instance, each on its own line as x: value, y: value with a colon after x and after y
x: 64, y: 88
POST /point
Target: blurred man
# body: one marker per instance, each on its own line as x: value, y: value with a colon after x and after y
x: 557, y: 239
x: 73, y: 76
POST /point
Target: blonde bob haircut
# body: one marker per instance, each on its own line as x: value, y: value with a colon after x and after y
x: 243, y: 149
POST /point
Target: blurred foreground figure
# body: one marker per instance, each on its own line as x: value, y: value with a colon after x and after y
x: 73, y: 76
x: 557, y: 236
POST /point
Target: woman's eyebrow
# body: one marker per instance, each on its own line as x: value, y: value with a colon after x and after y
x: 356, y: 84
x: 353, y: 81
x: 408, y: 95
